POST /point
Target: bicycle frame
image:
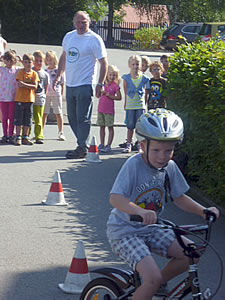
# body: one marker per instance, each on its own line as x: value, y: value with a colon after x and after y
x: 126, y: 279
x: 189, y: 285
x: 129, y: 281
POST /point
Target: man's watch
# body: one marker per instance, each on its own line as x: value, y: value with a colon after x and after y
x: 100, y: 84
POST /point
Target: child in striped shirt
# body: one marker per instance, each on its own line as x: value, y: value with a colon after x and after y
x: 134, y: 89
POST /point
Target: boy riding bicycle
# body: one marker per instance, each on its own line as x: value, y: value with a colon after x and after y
x: 142, y: 188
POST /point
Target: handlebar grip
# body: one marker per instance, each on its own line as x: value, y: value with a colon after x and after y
x: 136, y: 218
x: 210, y: 216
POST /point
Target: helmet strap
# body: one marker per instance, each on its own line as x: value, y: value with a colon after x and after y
x: 166, y: 180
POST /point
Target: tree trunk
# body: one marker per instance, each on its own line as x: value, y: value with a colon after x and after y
x: 110, y: 23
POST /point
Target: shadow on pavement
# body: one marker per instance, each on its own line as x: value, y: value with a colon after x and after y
x: 36, y: 285
x: 28, y: 157
x: 86, y: 188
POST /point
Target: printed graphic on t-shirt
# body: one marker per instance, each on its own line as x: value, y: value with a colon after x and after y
x: 156, y: 99
x: 156, y: 90
x: 73, y: 55
x: 150, y: 199
x: 28, y: 80
x: 39, y: 88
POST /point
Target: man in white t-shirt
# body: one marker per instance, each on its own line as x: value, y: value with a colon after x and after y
x: 3, y: 44
x: 82, y: 48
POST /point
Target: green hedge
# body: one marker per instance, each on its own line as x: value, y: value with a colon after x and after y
x: 196, y: 92
x: 148, y: 38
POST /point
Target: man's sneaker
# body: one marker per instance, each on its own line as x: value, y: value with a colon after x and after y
x: 76, y: 154
x: 127, y: 149
x: 40, y: 142
x: 26, y: 141
x: 18, y: 141
x: 100, y: 147
x: 106, y: 149
x: 61, y: 136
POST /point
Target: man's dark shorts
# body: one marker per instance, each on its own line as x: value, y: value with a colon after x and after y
x: 23, y: 114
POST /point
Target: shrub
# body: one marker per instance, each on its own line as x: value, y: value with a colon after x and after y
x: 195, y: 90
x: 149, y: 38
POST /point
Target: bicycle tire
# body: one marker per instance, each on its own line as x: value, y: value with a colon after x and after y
x: 108, y: 288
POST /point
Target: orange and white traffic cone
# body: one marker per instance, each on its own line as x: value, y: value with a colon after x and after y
x: 78, y: 276
x: 55, y: 195
x: 92, y: 155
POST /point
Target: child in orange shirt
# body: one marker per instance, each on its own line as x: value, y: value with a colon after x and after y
x: 25, y: 96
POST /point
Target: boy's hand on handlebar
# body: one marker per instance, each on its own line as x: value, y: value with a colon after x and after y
x: 149, y: 216
x: 214, y: 210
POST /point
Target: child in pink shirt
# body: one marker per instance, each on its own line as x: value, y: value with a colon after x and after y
x: 8, y: 86
x: 106, y: 109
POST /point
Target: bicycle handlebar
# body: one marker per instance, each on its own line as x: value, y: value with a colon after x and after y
x: 184, y: 229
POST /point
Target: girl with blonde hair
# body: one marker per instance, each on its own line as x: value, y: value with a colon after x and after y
x: 54, y: 96
x: 106, y: 110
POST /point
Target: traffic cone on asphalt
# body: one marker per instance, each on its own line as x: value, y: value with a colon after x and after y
x: 55, y: 195
x: 92, y: 155
x: 78, y: 276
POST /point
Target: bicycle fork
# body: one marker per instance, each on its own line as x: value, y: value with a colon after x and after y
x: 194, y: 283
x: 190, y: 285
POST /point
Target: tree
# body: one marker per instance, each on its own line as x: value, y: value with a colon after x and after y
x: 97, y: 9
x: 38, y: 21
x: 195, y: 91
x: 188, y: 10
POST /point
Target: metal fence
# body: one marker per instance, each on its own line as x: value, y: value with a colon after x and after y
x: 122, y: 34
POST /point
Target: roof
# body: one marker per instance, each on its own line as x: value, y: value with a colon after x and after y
x: 133, y: 16
x: 215, y: 23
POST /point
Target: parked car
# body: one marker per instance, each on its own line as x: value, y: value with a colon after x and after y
x: 222, y: 36
x: 170, y: 37
x: 211, y: 29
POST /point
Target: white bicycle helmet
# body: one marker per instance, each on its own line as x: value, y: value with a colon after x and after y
x: 159, y: 124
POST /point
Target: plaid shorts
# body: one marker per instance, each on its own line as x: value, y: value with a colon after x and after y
x: 133, y: 248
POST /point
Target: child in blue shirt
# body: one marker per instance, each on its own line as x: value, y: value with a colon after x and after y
x: 134, y: 89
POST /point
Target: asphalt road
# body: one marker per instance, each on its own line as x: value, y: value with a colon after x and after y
x: 37, y: 241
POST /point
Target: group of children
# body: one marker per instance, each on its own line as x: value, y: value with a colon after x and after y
x: 141, y: 93
x: 26, y: 95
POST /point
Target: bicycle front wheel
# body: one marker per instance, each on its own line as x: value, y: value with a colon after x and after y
x: 101, y: 289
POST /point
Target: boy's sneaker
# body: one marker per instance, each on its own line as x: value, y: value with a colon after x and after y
x: 11, y: 140
x: 101, y: 147
x: 106, y: 149
x: 18, y: 141
x: 61, y: 136
x: 135, y: 147
x: 26, y: 141
x: 127, y: 149
x: 40, y: 142
x: 4, y: 139
x: 123, y: 145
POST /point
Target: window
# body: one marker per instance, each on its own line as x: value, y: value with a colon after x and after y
x: 221, y: 28
x: 191, y: 29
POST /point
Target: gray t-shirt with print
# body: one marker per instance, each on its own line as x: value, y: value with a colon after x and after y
x: 40, y: 95
x: 144, y: 186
